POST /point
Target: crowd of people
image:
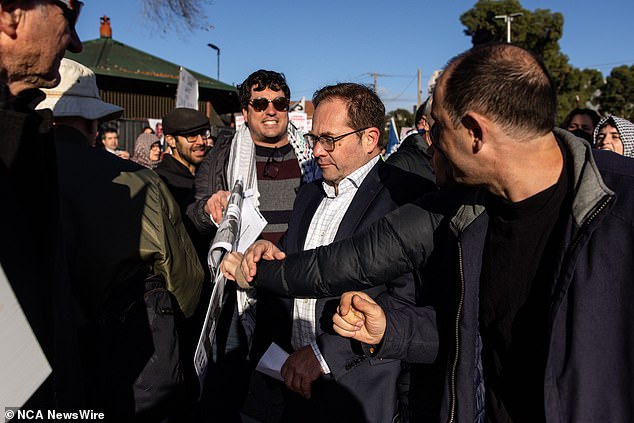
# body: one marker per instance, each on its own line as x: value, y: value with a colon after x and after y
x: 481, y: 273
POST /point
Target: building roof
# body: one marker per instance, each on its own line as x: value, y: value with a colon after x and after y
x: 109, y: 57
x: 120, y: 67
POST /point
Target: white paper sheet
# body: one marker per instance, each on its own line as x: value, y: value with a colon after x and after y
x: 23, y: 366
x: 272, y: 361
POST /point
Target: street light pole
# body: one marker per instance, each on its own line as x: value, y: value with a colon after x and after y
x: 508, y: 19
x: 218, y: 55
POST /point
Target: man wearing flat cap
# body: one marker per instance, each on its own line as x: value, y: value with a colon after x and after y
x: 186, y: 132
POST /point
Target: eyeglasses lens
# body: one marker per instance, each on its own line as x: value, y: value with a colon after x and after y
x: 204, y: 135
x: 327, y: 143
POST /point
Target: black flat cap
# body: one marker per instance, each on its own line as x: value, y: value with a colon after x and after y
x: 183, y: 121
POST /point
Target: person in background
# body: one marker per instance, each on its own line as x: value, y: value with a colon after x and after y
x: 615, y: 134
x: 76, y: 103
x: 414, y: 155
x: 581, y: 122
x: 147, y: 130
x: 186, y: 132
x: 147, y: 150
x: 110, y: 142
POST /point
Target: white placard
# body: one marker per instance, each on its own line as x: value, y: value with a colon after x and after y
x: 23, y: 366
x: 187, y: 90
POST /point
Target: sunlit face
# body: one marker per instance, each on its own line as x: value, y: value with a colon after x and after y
x: 350, y: 153
x: 155, y: 151
x: 190, y: 152
x: 32, y: 57
x: 583, y: 122
x: 111, y: 140
x: 268, y: 127
x: 609, y: 138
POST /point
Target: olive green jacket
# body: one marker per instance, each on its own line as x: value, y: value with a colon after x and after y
x: 122, y: 224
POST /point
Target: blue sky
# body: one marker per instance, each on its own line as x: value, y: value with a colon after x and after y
x: 320, y: 42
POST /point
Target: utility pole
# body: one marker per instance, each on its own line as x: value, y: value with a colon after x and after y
x: 218, y: 55
x: 375, y: 76
x: 508, y: 19
x: 419, y: 91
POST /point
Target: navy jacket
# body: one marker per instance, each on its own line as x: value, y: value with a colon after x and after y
x: 361, y: 386
x: 589, y: 372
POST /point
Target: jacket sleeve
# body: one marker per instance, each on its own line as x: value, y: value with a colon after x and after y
x: 394, y: 245
x: 344, y: 355
x: 166, y: 246
x: 210, y: 177
x: 411, y: 332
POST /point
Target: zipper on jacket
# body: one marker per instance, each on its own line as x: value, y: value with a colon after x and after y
x: 573, y: 246
x: 454, y: 364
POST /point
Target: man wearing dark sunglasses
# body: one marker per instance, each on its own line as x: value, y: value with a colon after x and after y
x: 272, y: 157
x: 325, y: 379
x: 33, y: 38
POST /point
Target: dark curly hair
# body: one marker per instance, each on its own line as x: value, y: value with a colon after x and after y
x: 260, y: 80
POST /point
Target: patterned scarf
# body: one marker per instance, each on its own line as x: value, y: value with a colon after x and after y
x: 242, y: 159
x: 242, y: 163
x: 625, y: 129
x: 142, y: 147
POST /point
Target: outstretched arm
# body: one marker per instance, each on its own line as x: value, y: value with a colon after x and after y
x: 243, y: 267
x: 358, y: 262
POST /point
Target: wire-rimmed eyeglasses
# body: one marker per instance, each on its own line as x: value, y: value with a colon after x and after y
x: 327, y: 141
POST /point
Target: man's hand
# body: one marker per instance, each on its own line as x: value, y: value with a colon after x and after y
x: 260, y: 249
x: 216, y: 205
x: 123, y: 154
x: 359, y: 317
x: 300, y: 370
x: 230, y: 267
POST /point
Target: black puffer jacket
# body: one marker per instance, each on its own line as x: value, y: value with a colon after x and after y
x: 590, y: 364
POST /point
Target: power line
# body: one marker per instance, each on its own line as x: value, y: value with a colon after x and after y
x: 602, y: 65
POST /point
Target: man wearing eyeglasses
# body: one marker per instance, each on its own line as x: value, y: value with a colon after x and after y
x: 186, y: 133
x: 324, y: 378
x: 33, y: 38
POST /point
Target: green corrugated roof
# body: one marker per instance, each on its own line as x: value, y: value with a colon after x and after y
x: 108, y: 57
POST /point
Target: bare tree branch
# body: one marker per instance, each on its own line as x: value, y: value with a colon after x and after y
x: 181, y: 15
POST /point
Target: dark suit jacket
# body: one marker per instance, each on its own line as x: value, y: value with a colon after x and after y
x: 364, y: 388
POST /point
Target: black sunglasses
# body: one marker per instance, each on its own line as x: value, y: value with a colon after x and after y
x: 260, y: 104
x: 71, y: 10
x: 270, y: 167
